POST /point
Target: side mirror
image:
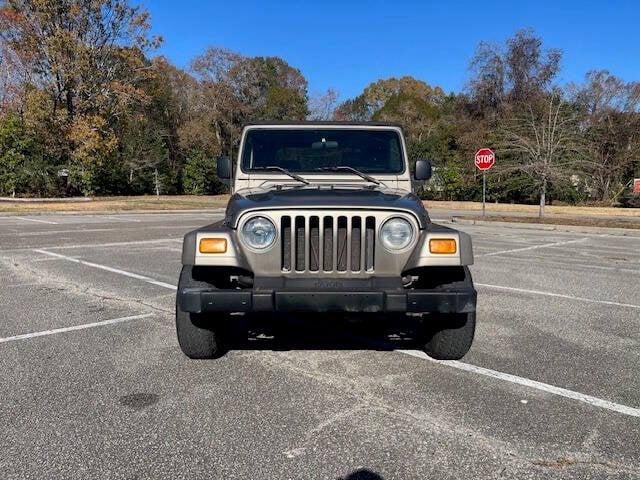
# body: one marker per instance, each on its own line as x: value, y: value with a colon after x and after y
x: 423, y: 170
x: 223, y: 168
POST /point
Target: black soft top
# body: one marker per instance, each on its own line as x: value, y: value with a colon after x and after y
x: 323, y: 123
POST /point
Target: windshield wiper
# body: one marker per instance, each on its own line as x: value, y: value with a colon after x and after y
x: 345, y: 168
x: 285, y: 171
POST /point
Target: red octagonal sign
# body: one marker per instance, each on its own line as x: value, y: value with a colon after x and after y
x: 485, y: 158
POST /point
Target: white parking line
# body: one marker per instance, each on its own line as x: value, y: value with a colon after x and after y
x: 92, y: 230
x: 158, y: 241
x: 558, y: 295
x: 119, y: 218
x: 533, y: 247
x: 109, y: 269
x: 545, y: 260
x: 36, y: 220
x: 83, y: 326
x: 563, y: 392
x: 55, y: 232
x: 118, y: 244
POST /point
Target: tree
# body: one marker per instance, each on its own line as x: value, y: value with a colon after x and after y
x: 199, y: 175
x: 517, y: 72
x: 376, y: 95
x: 270, y: 87
x: 322, y: 107
x: 417, y: 115
x: 86, y: 57
x: 233, y: 90
x: 74, y: 49
x: 612, y: 120
x: 15, y: 148
x: 353, y: 110
x: 542, y: 142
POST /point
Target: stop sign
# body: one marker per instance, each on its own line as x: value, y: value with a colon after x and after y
x: 485, y: 158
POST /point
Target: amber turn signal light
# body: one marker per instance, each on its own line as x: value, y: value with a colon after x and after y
x: 443, y: 245
x: 213, y: 245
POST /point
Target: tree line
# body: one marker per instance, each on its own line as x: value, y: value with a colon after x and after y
x: 87, y: 108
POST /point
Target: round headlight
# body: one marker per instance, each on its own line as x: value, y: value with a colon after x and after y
x: 259, y: 233
x: 396, y: 234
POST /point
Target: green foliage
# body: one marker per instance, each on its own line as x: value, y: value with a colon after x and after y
x: 283, y: 104
x: 200, y: 175
x: 16, y: 147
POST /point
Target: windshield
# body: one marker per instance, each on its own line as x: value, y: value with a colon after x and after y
x: 312, y: 150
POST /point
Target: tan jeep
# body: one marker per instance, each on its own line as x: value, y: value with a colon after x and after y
x: 322, y: 218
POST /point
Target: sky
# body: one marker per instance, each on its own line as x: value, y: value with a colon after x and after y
x: 348, y: 44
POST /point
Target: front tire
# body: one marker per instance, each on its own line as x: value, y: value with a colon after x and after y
x: 197, y: 338
x: 200, y: 336
x: 449, y: 336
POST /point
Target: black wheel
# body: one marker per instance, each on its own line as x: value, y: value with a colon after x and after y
x: 449, y: 336
x: 199, y: 336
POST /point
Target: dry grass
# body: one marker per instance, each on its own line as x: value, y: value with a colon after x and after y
x: 533, y: 209
x: 584, y: 221
x: 116, y: 204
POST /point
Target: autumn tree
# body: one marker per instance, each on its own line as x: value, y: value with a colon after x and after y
x: 270, y: 87
x: 376, y: 95
x: 86, y: 56
x: 231, y: 90
x: 74, y: 49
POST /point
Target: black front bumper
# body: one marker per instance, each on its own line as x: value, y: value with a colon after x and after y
x: 352, y: 297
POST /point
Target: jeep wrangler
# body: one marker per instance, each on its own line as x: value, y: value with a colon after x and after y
x: 323, y: 218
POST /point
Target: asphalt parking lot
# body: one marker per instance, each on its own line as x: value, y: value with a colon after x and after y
x: 93, y: 383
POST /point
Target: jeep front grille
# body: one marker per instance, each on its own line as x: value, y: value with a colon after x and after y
x: 328, y: 243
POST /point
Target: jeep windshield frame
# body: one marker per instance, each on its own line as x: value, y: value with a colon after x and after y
x: 317, y: 150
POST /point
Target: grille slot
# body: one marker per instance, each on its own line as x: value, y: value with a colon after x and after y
x: 342, y: 244
x: 300, y: 244
x: 286, y: 243
x: 356, y: 240
x: 370, y: 243
x: 314, y: 244
x: 328, y: 243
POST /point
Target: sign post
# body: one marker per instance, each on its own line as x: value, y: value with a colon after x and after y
x: 484, y: 192
x: 484, y: 160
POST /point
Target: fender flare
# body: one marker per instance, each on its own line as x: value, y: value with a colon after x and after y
x: 422, y: 257
x: 233, y: 257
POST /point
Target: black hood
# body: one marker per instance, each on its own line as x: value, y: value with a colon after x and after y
x: 311, y: 197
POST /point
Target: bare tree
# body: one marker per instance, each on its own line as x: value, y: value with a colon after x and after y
x: 512, y: 73
x: 612, y: 129
x: 543, y: 142
x: 323, y: 106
